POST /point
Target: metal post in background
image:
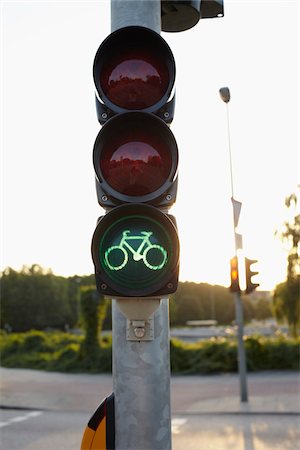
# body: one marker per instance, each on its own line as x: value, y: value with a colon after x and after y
x: 141, y: 369
x: 241, y: 348
x: 225, y: 96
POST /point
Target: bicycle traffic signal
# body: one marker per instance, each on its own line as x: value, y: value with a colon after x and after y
x: 250, y: 287
x: 135, y: 246
x: 234, y: 275
x: 135, y: 250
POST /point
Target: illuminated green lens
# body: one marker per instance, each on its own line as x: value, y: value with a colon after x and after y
x: 135, y: 251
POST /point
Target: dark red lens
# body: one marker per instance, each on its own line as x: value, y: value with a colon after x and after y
x: 134, y: 79
x: 137, y: 164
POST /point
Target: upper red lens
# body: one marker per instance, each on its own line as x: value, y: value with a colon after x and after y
x: 136, y: 164
x: 134, y: 79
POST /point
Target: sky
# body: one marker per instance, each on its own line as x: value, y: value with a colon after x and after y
x: 49, y: 125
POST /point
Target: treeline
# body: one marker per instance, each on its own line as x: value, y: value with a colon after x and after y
x: 202, y: 301
x: 35, y: 298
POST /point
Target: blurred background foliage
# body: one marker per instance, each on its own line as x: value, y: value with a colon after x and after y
x: 66, y: 352
x: 287, y: 295
x: 35, y: 298
x: 55, y: 323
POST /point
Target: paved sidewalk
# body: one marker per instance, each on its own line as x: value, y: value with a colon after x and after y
x: 206, y: 410
x: 279, y: 404
x: 268, y: 392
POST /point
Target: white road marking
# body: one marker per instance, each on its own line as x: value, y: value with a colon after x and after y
x: 177, y: 424
x: 18, y: 419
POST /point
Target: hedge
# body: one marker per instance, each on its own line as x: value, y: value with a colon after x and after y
x: 59, y: 351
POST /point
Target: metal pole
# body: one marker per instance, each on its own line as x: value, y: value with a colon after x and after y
x: 241, y: 348
x: 238, y: 302
x: 229, y: 149
x: 225, y: 95
x: 141, y: 369
x: 145, y: 13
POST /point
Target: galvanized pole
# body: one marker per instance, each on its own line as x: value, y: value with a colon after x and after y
x: 141, y: 369
x: 145, y: 13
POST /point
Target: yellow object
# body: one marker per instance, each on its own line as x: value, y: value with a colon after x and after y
x: 95, y: 440
x: 99, y: 433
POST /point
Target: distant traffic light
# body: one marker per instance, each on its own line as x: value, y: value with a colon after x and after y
x: 234, y: 275
x: 250, y: 286
x: 135, y: 246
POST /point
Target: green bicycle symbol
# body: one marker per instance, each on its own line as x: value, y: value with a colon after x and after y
x: 140, y: 254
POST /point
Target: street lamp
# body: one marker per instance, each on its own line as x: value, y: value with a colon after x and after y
x: 236, y: 205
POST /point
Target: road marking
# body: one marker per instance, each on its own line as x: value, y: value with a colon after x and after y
x: 18, y: 419
x: 177, y: 424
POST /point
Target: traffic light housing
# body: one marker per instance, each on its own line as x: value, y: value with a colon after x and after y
x: 181, y: 15
x: 250, y: 286
x: 134, y: 70
x: 234, y: 275
x: 135, y: 251
x: 135, y: 246
x: 211, y: 8
x: 135, y: 160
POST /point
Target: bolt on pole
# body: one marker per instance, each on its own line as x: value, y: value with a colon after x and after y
x: 141, y: 369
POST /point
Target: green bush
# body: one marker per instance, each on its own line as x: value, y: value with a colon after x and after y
x: 10, y: 344
x: 60, y: 351
x: 35, y: 349
x: 209, y: 356
x: 36, y: 341
x: 267, y: 354
x: 66, y: 359
x: 218, y: 355
x: 180, y: 355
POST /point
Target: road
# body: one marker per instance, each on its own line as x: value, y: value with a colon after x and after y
x: 46, y: 411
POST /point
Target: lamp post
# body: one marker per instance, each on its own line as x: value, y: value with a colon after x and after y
x: 236, y: 205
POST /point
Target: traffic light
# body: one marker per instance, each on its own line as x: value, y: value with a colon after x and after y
x: 135, y: 246
x: 134, y: 69
x: 135, y: 250
x: 234, y: 275
x: 135, y: 160
x: 250, y: 287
